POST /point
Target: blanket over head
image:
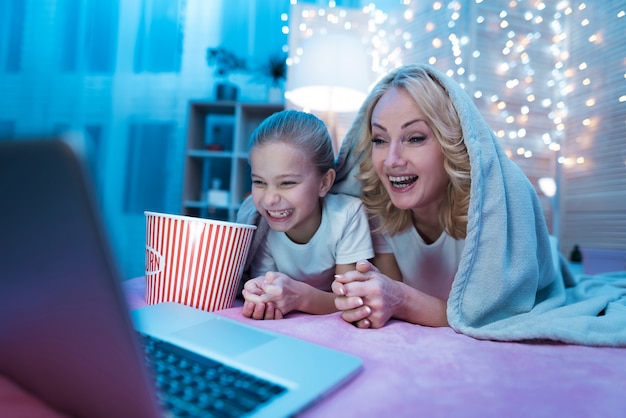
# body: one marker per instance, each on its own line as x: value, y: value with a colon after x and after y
x: 509, y: 286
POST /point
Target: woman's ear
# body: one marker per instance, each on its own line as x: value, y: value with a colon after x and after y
x: 328, y: 179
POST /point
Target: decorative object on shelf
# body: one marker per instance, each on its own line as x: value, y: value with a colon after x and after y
x: 225, y: 63
x: 216, y: 197
x: 273, y: 72
x: 219, y: 132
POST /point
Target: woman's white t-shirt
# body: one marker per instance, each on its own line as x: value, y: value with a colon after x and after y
x: 343, y: 237
x: 427, y: 267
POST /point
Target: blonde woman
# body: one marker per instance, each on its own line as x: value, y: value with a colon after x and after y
x: 462, y: 229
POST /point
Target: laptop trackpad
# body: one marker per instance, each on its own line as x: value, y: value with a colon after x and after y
x: 223, y: 336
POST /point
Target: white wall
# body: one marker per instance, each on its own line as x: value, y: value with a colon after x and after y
x: 42, y: 99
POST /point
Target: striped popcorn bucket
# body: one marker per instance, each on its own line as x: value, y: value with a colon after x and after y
x: 194, y: 261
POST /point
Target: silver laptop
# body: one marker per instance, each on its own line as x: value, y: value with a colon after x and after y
x: 66, y: 334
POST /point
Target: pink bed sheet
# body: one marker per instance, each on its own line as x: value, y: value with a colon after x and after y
x: 412, y: 371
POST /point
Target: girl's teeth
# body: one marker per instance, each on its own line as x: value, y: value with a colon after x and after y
x: 279, y: 214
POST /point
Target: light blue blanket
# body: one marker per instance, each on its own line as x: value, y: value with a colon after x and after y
x: 508, y: 286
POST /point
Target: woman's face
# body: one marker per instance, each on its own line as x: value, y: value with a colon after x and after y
x: 406, y: 155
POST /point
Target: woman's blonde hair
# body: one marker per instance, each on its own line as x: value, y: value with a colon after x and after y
x: 443, y: 120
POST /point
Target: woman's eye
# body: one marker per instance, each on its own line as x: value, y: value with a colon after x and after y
x: 416, y: 139
x: 377, y: 141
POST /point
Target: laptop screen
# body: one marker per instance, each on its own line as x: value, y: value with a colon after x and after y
x: 65, y: 335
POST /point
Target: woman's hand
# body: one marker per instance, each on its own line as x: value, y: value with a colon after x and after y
x: 270, y: 297
x: 366, y: 297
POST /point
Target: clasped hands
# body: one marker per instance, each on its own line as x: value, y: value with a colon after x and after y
x: 269, y: 297
x: 365, y: 297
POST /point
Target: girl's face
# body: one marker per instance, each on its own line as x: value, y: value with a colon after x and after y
x: 286, y: 189
x: 406, y: 155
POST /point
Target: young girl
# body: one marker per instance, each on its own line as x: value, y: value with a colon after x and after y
x: 312, y: 235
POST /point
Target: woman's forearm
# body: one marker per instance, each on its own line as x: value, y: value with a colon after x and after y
x: 420, y: 308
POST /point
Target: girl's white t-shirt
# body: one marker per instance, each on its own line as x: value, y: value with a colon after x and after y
x: 427, y: 267
x: 342, y: 238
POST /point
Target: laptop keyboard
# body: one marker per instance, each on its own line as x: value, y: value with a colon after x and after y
x: 190, y: 385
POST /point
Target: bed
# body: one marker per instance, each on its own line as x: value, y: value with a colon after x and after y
x: 412, y: 371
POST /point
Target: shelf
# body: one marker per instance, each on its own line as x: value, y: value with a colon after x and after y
x: 209, y: 154
x: 226, y: 126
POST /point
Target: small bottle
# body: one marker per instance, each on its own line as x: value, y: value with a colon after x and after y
x: 217, y: 197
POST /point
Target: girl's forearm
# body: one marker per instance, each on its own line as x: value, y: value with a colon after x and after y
x: 316, y: 302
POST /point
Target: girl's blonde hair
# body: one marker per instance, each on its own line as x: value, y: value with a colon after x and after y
x: 442, y: 118
x: 300, y: 129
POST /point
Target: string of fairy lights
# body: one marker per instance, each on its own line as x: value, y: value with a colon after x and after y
x: 524, y: 37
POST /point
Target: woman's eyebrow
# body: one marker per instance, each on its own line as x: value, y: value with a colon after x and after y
x: 411, y: 122
x: 381, y: 127
x: 404, y: 126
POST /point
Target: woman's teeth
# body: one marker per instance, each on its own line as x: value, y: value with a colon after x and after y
x: 402, y: 182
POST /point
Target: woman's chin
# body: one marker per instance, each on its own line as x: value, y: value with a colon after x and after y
x: 402, y: 201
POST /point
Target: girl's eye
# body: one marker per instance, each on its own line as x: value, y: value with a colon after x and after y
x: 288, y: 183
x: 257, y: 183
x: 377, y: 141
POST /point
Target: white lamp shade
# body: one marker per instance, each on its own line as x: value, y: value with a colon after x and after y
x: 331, y: 74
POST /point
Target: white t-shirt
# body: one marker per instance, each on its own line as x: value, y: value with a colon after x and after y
x: 342, y: 238
x: 427, y: 267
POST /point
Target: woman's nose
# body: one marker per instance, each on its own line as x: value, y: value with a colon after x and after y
x: 395, y: 155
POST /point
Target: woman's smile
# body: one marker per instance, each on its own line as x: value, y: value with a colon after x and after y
x: 402, y: 182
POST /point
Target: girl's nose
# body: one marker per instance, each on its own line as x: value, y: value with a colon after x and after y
x: 271, y: 198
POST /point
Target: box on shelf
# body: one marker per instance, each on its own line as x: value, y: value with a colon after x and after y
x: 220, y: 132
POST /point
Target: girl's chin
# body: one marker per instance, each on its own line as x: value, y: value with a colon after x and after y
x: 278, y: 224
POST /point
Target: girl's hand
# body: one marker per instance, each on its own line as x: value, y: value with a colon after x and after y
x: 261, y: 310
x: 366, y: 297
x: 270, y: 297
